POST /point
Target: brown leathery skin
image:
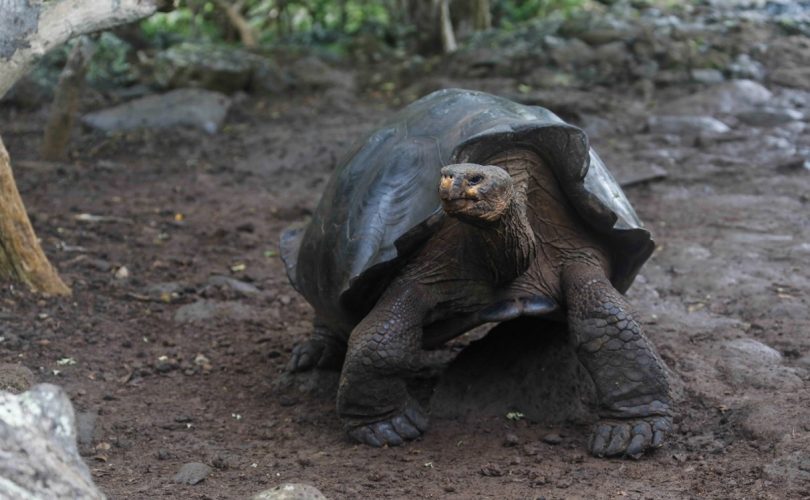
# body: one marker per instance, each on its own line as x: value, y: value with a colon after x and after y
x: 630, y: 378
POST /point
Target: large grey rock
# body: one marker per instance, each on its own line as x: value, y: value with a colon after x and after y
x: 684, y: 125
x: 747, y: 363
x: 202, y: 109
x: 38, y: 453
x: 290, y: 491
x: 526, y: 365
x: 735, y: 95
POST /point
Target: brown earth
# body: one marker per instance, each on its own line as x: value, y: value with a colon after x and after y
x: 173, y: 383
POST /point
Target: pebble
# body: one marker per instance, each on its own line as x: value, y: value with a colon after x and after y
x: 15, y: 378
x: 236, y: 285
x: 770, y: 117
x: 686, y: 125
x: 192, y: 473
x: 552, y: 438
x: 86, y: 427
x: 511, y: 440
x: 290, y: 491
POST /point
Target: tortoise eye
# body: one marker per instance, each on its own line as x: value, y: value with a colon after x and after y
x: 475, y: 179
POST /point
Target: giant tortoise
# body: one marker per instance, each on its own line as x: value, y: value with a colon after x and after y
x: 466, y: 208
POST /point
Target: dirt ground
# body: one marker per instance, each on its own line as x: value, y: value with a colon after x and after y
x: 180, y: 367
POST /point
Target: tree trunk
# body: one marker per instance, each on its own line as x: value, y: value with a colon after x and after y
x: 238, y: 21
x: 21, y: 257
x: 482, y: 15
x: 66, y: 101
x: 28, y: 30
x: 31, y: 28
x: 446, y: 27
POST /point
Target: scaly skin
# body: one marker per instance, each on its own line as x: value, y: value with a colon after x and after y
x: 325, y: 350
x: 470, y: 261
x: 631, y: 382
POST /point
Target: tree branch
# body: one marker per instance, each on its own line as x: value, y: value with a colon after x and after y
x: 29, y: 29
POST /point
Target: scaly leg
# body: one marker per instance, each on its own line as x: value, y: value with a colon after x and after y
x: 325, y: 349
x: 385, y: 348
x: 629, y: 375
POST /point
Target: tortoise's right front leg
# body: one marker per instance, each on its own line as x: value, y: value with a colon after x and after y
x: 373, y: 401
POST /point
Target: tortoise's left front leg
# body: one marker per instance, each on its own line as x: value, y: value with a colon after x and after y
x: 631, y: 382
x: 384, y: 349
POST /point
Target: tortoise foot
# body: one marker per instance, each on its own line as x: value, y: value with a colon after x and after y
x: 629, y: 438
x: 319, y: 351
x: 406, y: 425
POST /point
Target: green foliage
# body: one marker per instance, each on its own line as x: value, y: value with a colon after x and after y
x: 518, y: 11
x: 109, y: 64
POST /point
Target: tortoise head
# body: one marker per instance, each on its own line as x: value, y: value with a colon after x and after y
x: 476, y: 193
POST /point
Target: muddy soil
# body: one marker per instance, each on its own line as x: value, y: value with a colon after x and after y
x: 171, y: 363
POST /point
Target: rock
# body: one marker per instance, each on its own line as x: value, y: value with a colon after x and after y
x: 217, y: 68
x: 793, y: 468
x: 511, y: 440
x: 86, y: 428
x: 15, y: 378
x: 723, y: 98
x: 310, y: 73
x: 769, y: 117
x: 747, y: 68
x: 685, y: 125
x: 234, y: 284
x: 39, y: 456
x: 707, y: 75
x: 192, y: 473
x: 204, y: 310
x: 202, y: 109
x: 547, y: 78
x: 552, y: 438
x: 516, y: 368
x: 290, y: 491
x: 798, y: 77
x: 748, y: 363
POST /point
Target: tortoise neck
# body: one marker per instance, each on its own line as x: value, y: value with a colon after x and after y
x: 508, y: 246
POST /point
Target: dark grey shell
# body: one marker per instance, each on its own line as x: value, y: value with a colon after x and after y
x: 382, y: 200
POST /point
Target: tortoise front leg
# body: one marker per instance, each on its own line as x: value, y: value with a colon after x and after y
x: 373, y: 401
x: 325, y: 349
x: 630, y: 379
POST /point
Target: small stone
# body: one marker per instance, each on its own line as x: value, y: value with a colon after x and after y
x: 511, y: 440
x: 552, y: 438
x: 770, y: 117
x: 15, y: 378
x: 122, y: 273
x: 707, y: 75
x: 163, y: 454
x: 234, y: 284
x: 680, y: 125
x: 205, y: 310
x: 192, y: 473
x: 491, y: 470
x: 290, y: 491
x: 86, y: 427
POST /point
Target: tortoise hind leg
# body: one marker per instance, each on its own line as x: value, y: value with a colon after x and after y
x: 325, y: 349
x: 631, y: 383
x: 385, y: 348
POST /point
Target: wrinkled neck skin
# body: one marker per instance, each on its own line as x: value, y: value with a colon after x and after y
x: 504, y: 247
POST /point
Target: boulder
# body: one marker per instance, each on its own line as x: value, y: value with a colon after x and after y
x: 201, y: 109
x: 39, y: 456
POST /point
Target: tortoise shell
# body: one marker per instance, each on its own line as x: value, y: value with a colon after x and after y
x: 382, y: 200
